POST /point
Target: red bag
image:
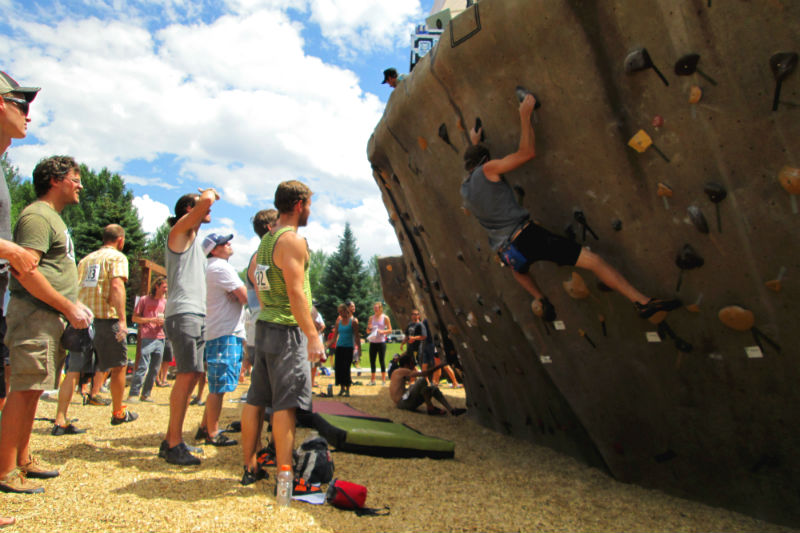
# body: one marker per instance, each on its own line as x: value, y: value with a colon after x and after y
x: 351, y: 497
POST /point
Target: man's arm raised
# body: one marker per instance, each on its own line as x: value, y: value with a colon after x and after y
x: 527, y: 145
x: 183, y: 232
x: 290, y: 254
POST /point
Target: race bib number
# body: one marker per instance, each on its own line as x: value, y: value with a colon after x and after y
x: 262, y: 284
x: 92, y: 276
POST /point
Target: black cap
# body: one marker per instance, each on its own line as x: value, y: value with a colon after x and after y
x: 389, y: 73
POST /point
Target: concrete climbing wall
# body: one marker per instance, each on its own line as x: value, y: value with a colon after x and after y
x: 689, y: 405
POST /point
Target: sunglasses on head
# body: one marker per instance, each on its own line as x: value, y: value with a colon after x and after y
x: 21, y: 104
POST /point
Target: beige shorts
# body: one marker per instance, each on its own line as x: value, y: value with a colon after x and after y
x: 34, y: 344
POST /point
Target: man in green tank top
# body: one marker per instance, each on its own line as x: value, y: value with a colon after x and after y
x: 286, y: 337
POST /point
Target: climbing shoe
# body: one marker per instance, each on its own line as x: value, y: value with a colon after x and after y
x: 436, y: 411
x: 220, y: 440
x: 458, y: 411
x: 249, y: 477
x: 266, y: 456
x: 301, y: 488
x: 654, y: 305
x: 88, y: 399
x: 202, y: 434
x: 179, y: 455
x: 69, y: 429
x: 123, y: 416
x: 38, y: 470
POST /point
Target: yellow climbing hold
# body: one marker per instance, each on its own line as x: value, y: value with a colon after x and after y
x: 576, y: 287
x: 641, y: 141
x: 737, y: 318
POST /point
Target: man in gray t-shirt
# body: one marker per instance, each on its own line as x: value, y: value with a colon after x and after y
x: 521, y: 242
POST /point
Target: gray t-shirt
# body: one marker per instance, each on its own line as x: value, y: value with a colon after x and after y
x: 5, y: 233
x: 186, y: 277
x: 494, y: 205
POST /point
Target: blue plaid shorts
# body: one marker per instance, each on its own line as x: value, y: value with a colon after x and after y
x: 224, y: 359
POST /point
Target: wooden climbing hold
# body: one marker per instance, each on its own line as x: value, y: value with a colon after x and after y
x: 736, y: 317
x: 775, y: 284
x: 695, y: 307
x: 641, y: 141
x: 576, y: 287
x: 664, y: 191
x: 695, y: 94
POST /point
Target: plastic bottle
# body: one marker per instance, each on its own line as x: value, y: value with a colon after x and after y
x: 285, y: 481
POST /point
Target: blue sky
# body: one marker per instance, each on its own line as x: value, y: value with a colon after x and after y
x: 234, y: 94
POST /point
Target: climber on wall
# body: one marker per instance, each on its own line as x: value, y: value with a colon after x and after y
x: 518, y: 240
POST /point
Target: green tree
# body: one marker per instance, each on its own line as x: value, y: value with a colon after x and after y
x: 20, y: 191
x: 155, y: 246
x: 316, y: 268
x: 345, y: 278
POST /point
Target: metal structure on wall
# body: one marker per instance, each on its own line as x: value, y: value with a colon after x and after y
x: 671, y: 132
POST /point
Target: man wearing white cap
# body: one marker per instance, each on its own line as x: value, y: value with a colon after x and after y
x: 224, y: 334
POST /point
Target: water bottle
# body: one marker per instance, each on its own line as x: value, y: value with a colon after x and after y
x: 285, y: 481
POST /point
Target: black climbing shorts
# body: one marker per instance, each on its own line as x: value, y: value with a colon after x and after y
x: 534, y: 243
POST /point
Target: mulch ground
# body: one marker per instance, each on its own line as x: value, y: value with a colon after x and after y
x: 112, y: 480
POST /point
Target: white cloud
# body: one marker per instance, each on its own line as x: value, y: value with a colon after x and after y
x: 152, y: 212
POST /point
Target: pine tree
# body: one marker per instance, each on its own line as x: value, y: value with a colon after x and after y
x: 343, y: 279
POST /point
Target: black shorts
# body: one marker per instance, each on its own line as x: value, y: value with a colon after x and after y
x: 534, y: 243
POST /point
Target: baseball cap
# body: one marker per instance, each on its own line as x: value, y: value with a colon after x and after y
x: 213, y: 240
x: 389, y: 73
x: 9, y: 85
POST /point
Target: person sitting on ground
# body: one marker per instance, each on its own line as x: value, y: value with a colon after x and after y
x: 420, y: 392
x: 521, y: 242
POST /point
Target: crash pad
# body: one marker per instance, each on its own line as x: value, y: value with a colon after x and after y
x: 379, y: 437
x: 330, y: 407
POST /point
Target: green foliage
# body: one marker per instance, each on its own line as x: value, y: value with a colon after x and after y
x: 21, y: 192
x: 155, y: 246
x: 316, y: 268
x: 345, y: 278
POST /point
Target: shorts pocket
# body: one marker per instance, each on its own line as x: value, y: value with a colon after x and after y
x: 30, y: 357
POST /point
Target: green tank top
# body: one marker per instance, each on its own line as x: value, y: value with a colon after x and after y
x: 272, y: 287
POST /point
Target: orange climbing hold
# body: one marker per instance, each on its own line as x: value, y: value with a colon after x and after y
x: 737, y: 318
x: 664, y: 190
x: 423, y: 144
x: 576, y: 287
x: 789, y: 178
x: 695, y: 94
x: 640, y: 142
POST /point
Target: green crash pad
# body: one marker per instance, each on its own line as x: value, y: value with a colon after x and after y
x: 380, y: 437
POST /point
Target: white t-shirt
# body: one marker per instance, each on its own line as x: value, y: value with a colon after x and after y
x: 224, y: 315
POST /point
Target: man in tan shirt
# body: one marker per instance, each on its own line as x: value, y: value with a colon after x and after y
x: 420, y: 392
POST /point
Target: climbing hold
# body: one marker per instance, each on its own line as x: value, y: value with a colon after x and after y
x: 658, y: 121
x: 569, y: 232
x: 695, y: 307
x: 664, y: 191
x: 687, y: 259
x: 616, y: 224
x: 415, y: 230
x: 576, y: 287
x: 471, y: 322
x: 775, y: 284
x: 459, y: 256
x: 487, y: 318
x: 522, y: 92
x: 737, y: 318
x: 698, y: 219
x: 423, y: 144
x: 586, y: 336
x: 789, y: 178
x: 389, y: 268
x: 452, y: 329
x: 478, y: 299
x: 782, y: 64
x: 716, y: 193
x: 639, y: 59
x: 443, y: 297
x: 478, y: 126
x: 641, y: 141
x: 497, y: 310
x: 665, y: 331
x: 687, y: 65
x: 695, y: 94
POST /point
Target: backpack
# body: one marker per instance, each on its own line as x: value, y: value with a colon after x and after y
x: 314, y: 462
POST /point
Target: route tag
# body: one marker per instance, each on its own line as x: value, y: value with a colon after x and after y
x: 559, y: 325
x: 652, y: 336
x: 753, y: 352
x: 262, y: 284
x: 545, y: 359
x: 92, y: 276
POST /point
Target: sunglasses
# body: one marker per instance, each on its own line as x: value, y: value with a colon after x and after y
x: 21, y: 104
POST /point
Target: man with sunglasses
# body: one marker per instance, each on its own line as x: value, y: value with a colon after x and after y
x: 14, y: 107
x: 521, y: 242
x: 39, y: 304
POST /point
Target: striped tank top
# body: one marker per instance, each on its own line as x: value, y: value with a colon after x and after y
x: 271, y: 285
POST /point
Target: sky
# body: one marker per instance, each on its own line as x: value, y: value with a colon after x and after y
x: 239, y: 95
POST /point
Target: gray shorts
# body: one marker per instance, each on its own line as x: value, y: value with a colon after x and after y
x: 281, y: 377
x: 414, y: 396
x: 111, y: 353
x: 80, y: 362
x: 185, y: 332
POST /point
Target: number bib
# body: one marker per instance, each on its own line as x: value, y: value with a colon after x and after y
x: 262, y: 283
x: 92, y: 276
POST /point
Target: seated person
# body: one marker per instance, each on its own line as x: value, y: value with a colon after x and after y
x: 420, y: 392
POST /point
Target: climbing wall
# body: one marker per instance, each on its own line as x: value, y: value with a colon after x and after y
x: 667, y: 141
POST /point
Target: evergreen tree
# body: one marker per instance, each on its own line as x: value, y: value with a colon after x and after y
x: 345, y: 278
x: 155, y: 247
x: 21, y: 192
x: 316, y: 268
